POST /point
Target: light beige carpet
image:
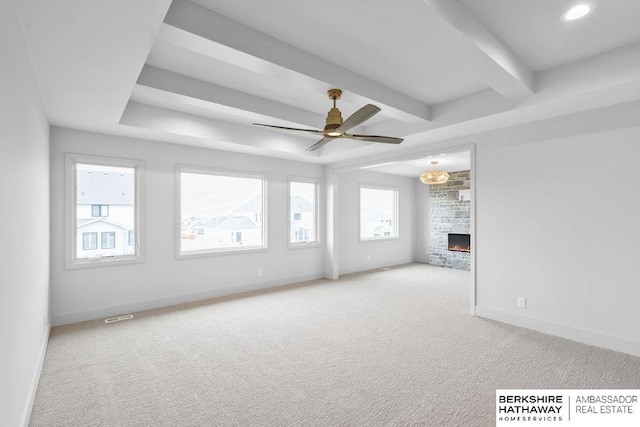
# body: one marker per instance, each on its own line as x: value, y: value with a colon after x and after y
x: 395, y: 348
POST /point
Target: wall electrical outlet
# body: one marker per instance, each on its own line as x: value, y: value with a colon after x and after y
x: 259, y: 272
x: 368, y: 257
x: 522, y: 302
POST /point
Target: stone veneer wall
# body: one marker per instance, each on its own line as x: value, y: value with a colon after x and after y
x: 449, y: 215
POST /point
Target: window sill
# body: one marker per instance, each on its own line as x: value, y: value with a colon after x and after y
x: 220, y: 252
x: 104, y: 262
x: 378, y: 239
x: 304, y: 245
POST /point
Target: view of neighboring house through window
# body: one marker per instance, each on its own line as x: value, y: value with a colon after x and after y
x: 302, y: 208
x: 220, y: 212
x: 378, y: 213
x: 104, y: 208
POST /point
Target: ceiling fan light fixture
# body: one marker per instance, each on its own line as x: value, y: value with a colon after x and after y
x: 434, y: 176
x: 332, y: 130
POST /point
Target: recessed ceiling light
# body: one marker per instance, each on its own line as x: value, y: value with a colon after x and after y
x: 578, y: 11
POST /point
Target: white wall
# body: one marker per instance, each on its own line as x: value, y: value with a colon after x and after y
x: 79, y: 294
x: 24, y: 225
x: 422, y: 237
x: 558, y: 222
x: 352, y: 253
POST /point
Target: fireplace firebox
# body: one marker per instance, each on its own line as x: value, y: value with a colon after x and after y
x: 459, y: 242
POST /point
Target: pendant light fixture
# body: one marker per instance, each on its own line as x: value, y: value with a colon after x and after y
x: 434, y: 176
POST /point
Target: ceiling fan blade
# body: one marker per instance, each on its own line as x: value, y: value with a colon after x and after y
x: 374, y: 138
x: 318, y: 144
x: 360, y: 116
x: 286, y: 128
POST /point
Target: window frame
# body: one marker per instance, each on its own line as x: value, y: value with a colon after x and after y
x: 70, y: 214
x: 316, y: 212
x: 204, y: 170
x: 396, y: 226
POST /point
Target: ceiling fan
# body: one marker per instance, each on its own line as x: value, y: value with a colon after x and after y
x: 336, y: 128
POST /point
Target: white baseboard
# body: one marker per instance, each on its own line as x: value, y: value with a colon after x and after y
x: 33, y: 388
x: 99, y: 313
x: 373, y: 265
x: 575, y: 334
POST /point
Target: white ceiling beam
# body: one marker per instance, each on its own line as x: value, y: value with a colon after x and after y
x: 219, y: 134
x: 609, y: 69
x: 619, y: 116
x: 505, y: 73
x: 246, y: 47
x: 609, y: 78
x: 227, y: 101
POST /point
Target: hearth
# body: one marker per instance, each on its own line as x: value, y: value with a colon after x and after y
x: 459, y: 242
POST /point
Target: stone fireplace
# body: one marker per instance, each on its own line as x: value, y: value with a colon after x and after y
x: 450, y: 215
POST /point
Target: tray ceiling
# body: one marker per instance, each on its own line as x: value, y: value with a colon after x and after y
x: 201, y: 72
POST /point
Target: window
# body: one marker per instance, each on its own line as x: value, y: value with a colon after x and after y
x: 99, y: 210
x: 99, y: 187
x: 378, y: 213
x: 303, y: 196
x: 220, y: 212
x: 89, y: 241
x: 108, y: 240
x: 102, y: 210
